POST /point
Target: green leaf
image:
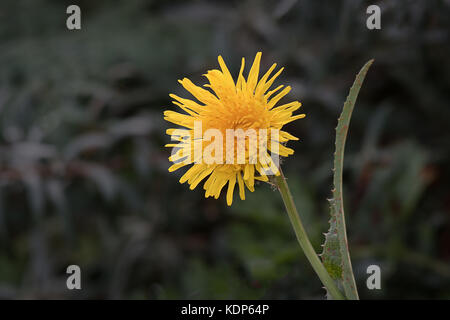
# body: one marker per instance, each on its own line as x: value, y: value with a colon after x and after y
x: 335, y: 255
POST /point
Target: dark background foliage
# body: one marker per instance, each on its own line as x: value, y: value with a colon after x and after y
x: 83, y: 170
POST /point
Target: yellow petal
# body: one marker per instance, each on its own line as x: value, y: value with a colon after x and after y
x: 231, y: 184
x: 262, y: 82
x: 269, y: 83
x: 277, y: 98
x: 199, y: 93
x: 241, y: 186
x: 253, y: 74
x: 225, y: 70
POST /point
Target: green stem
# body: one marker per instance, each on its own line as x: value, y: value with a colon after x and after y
x: 303, y: 239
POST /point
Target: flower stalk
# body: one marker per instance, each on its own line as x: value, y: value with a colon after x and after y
x: 303, y: 239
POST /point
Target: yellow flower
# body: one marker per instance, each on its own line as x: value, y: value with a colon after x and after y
x: 247, y: 105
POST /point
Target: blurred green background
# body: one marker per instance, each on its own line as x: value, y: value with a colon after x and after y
x: 83, y: 170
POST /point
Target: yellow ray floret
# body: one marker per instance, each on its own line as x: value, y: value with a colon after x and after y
x: 246, y: 104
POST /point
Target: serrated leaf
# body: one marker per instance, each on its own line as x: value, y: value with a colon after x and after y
x: 335, y: 255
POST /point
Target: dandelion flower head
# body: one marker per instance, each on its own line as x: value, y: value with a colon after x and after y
x: 224, y: 104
